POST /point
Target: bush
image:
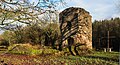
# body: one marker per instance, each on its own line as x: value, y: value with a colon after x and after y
x: 4, y: 43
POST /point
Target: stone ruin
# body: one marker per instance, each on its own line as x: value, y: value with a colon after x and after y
x: 76, y: 27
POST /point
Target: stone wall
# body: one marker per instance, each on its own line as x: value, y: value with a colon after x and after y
x: 76, y: 23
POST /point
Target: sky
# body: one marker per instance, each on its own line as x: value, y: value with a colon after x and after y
x: 99, y: 9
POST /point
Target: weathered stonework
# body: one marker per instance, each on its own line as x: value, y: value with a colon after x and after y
x: 76, y: 23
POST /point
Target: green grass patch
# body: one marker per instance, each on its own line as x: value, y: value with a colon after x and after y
x: 81, y: 60
x: 29, y: 50
x: 105, y: 55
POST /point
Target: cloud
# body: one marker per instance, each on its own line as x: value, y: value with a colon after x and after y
x: 34, y: 1
x: 116, y: 15
x: 99, y: 9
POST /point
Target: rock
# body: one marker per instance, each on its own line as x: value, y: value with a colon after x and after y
x: 76, y: 23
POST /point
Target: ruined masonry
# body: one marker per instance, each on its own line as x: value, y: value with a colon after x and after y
x: 75, y: 23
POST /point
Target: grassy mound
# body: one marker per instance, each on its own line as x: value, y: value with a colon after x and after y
x: 28, y: 49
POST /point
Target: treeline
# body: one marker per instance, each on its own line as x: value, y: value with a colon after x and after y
x: 100, y: 34
x: 49, y: 34
x: 46, y: 35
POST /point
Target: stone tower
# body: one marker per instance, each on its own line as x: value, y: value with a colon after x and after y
x: 76, y: 25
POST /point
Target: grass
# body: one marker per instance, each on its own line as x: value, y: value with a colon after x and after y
x: 31, y: 56
x: 98, y: 58
x: 29, y: 50
x: 88, y: 61
x: 106, y: 55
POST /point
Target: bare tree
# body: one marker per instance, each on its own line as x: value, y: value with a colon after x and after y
x: 23, y: 11
x: 118, y: 6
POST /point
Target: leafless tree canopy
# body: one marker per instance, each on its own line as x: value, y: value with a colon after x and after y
x: 26, y: 12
